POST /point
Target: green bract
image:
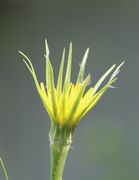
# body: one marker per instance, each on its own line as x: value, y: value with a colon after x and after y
x: 66, y: 104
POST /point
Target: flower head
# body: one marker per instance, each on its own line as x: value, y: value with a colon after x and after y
x: 66, y: 104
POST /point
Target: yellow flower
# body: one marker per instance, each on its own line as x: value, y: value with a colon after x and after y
x: 66, y: 104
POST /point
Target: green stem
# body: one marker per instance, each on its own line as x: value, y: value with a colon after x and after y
x: 60, y: 141
x: 58, y: 158
x: 4, y: 169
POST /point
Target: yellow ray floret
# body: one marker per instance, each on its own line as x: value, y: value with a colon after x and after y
x: 67, y: 104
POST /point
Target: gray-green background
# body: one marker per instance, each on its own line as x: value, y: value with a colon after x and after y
x: 106, y: 142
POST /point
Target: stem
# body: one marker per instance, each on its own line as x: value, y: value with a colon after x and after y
x: 58, y: 158
x: 4, y: 169
x: 60, y: 141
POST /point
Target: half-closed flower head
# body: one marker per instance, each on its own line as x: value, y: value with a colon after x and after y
x: 67, y: 103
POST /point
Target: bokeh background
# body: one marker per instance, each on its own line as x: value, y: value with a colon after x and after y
x: 106, y: 142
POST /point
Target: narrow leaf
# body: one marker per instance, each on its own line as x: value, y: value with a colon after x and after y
x: 94, y: 100
x: 102, y: 78
x: 28, y: 60
x: 44, y: 98
x: 4, y: 169
x: 47, y: 48
x: 31, y: 69
x: 99, y: 94
x: 41, y: 89
x: 60, y: 76
x: 117, y: 70
x: 68, y: 71
x: 52, y: 89
x: 47, y: 66
x: 82, y: 67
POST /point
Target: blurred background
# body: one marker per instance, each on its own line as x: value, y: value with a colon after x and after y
x: 106, y: 142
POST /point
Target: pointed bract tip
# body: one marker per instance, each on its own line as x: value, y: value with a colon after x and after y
x: 47, y: 48
x: 117, y: 70
x: 70, y: 45
x: 88, y: 49
x: 20, y: 52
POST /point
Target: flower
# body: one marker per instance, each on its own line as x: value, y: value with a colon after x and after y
x: 66, y: 104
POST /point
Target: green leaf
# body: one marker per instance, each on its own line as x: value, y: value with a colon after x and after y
x: 52, y: 89
x: 4, y: 169
x: 60, y: 76
x: 102, y: 78
x: 68, y: 71
x: 82, y: 67
x: 94, y: 100
x: 47, y: 48
x: 43, y: 97
x: 117, y: 70
x: 31, y: 69
x: 67, y: 78
x: 77, y: 100
x: 47, y: 66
